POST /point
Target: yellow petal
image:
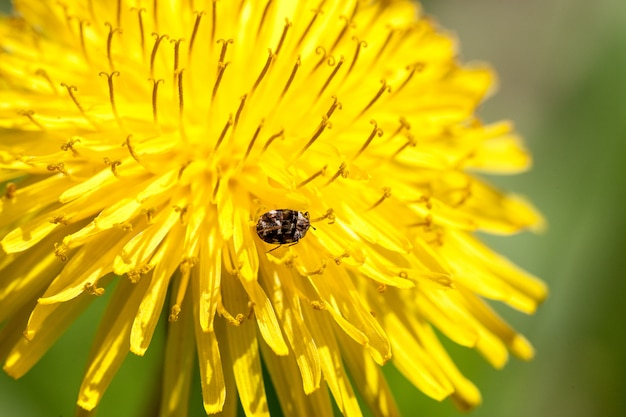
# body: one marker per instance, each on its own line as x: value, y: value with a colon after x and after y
x: 166, y: 261
x: 210, y: 361
x: 30, y: 198
x: 141, y: 247
x: 178, y: 364
x: 111, y: 344
x: 209, y: 277
x: 278, y: 281
x: 368, y: 379
x: 46, y: 324
x: 85, y: 268
x: 286, y: 378
x: 29, y: 279
x: 485, y: 272
x: 412, y: 359
x: 29, y: 234
x: 243, y: 352
x: 347, y: 307
x: 331, y: 363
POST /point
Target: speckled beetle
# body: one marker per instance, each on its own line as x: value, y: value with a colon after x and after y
x: 283, y: 226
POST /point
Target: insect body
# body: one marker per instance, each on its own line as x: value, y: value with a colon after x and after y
x: 283, y: 226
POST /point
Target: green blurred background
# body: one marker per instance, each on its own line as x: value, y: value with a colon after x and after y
x: 562, y: 71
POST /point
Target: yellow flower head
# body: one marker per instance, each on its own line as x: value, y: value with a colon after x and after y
x: 143, y: 144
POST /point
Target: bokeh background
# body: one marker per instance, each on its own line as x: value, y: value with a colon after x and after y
x: 562, y: 72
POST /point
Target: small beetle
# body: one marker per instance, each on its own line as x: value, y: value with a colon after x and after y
x: 283, y: 226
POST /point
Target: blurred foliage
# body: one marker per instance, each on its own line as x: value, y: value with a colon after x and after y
x: 562, y: 67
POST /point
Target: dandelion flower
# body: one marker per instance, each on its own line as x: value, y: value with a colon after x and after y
x: 141, y: 141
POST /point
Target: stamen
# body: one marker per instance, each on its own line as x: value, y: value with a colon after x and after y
x: 118, y: 20
x: 157, y: 41
x: 466, y: 193
x: 218, y: 181
x: 142, y: 35
x: 384, y: 46
x: 403, y: 125
x: 318, y: 305
x: 59, y: 219
x: 291, y: 77
x: 70, y: 90
x: 150, y: 215
x: 93, y: 289
x: 417, y: 67
x: 386, y: 195
x: 194, y: 32
x: 411, y: 141
x: 336, y: 105
x: 263, y: 16
x: 11, y: 189
x: 316, y: 12
x: 221, y: 67
x: 227, y: 126
x: 251, y: 305
x: 182, y: 169
x: 182, y: 211
x: 318, y: 271
x: 320, y: 50
x: 134, y: 275
x: 459, y: 164
x: 183, y: 284
x: 355, y: 10
x: 339, y: 258
x: 174, y: 313
x: 69, y: 146
x: 125, y: 226
x: 272, y: 138
x: 348, y: 24
x: 66, y: 14
x: 83, y: 45
x: 42, y: 73
x: 270, y: 58
x: 176, y: 43
x: 312, y: 177
x: 380, y: 92
x: 110, y: 41
x: 60, y: 251
x: 424, y: 200
x: 29, y: 114
x: 330, y: 215
x: 437, y: 241
x: 359, y: 45
x: 113, y: 165
x: 225, y: 43
x: 427, y: 223
x: 323, y: 124
x: 332, y: 75
x: 318, y: 131
x: 341, y: 171
x: 181, y: 98
x: 376, y: 131
x: 213, y: 19
x: 242, y: 103
x: 235, y: 321
x: 155, y: 89
x: 131, y: 148
x: 60, y: 167
x: 283, y: 36
x: 112, y: 93
x: 254, y: 138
